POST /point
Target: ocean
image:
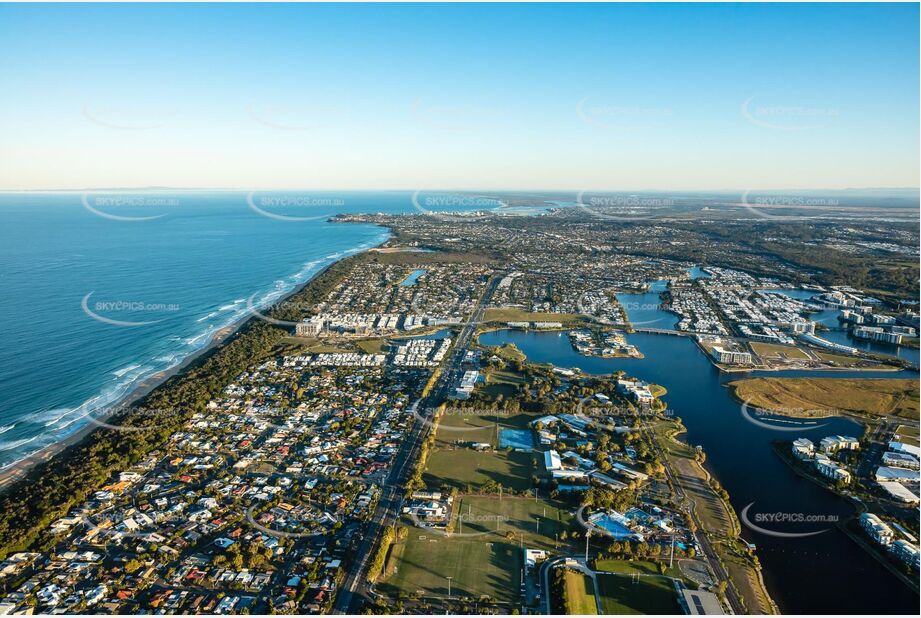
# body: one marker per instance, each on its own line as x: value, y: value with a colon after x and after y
x: 103, y: 290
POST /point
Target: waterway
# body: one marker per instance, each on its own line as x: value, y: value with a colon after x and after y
x: 826, y: 573
x: 413, y: 277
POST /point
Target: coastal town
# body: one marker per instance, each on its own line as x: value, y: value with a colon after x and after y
x: 395, y: 450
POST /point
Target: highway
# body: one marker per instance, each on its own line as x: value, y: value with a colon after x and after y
x: 355, y: 590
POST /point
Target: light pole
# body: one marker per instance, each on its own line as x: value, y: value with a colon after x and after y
x: 449, y: 586
x: 588, y: 533
x: 671, y: 558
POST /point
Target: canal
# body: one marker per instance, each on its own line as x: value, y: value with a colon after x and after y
x: 825, y: 573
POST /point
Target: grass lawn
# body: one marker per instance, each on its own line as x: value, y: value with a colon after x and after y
x: 580, y: 594
x: 906, y: 434
x: 535, y: 524
x: 496, y: 376
x: 486, y: 564
x: 773, y: 349
x: 813, y: 395
x: 372, y: 346
x: 624, y: 594
x: 460, y: 422
x: 462, y: 466
x: 510, y: 352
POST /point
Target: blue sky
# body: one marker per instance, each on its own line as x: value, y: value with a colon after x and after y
x: 695, y: 97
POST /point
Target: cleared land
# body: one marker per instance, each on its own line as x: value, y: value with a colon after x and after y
x: 812, y: 396
x: 580, y: 594
x: 637, y: 594
x: 775, y: 350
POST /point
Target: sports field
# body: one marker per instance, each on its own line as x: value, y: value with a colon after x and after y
x: 483, y: 556
x: 637, y: 594
x: 907, y: 434
x: 462, y: 467
x: 580, y: 594
x: 455, y: 464
x: 485, y: 565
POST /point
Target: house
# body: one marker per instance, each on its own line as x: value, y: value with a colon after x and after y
x: 803, y: 448
x: 532, y: 557
x: 552, y: 461
x: 906, y: 552
x: 833, y: 444
x: 876, y: 528
x: 830, y: 469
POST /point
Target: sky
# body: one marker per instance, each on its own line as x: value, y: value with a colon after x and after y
x: 515, y: 96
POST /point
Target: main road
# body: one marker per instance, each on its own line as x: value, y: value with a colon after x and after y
x: 354, y: 590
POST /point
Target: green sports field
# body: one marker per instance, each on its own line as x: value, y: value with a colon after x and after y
x: 461, y: 467
x: 637, y: 594
x: 488, y: 563
x: 455, y: 464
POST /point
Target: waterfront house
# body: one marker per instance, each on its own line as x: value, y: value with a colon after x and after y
x: 803, y: 448
x: 876, y: 528
x: 906, y: 552
x: 833, y: 444
x: 830, y: 469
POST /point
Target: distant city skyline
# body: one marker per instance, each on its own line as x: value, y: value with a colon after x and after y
x: 542, y: 97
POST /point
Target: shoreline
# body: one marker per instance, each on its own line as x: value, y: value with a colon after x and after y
x: 20, y: 469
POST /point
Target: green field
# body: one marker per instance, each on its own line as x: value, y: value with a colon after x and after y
x: 580, y: 594
x: 454, y: 464
x: 626, y: 594
x: 489, y: 563
x: 773, y: 349
x: 477, y: 565
x: 907, y: 434
x: 462, y: 466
